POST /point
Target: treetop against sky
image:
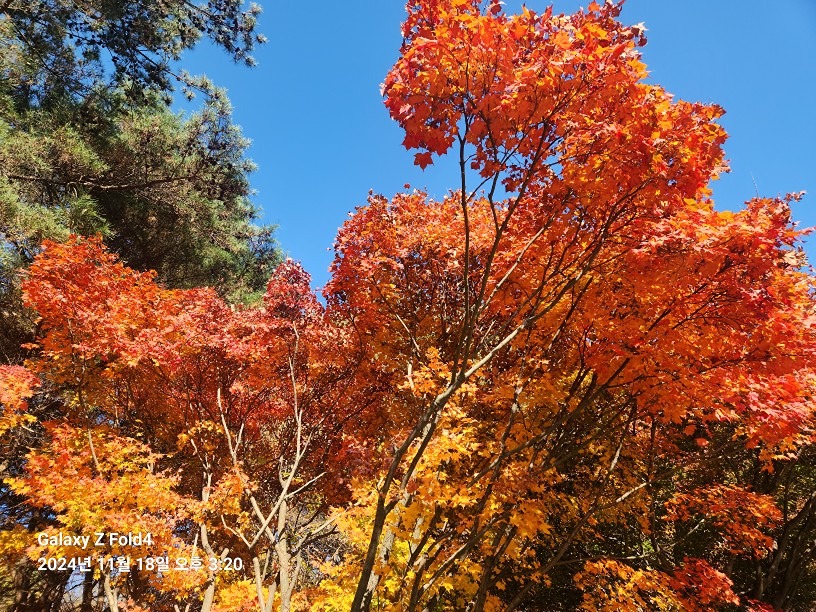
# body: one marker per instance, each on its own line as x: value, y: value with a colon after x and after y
x: 322, y: 138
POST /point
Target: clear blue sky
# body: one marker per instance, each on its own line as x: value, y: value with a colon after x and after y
x: 322, y: 137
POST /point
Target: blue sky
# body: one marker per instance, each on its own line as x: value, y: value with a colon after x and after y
x: 322, y: 137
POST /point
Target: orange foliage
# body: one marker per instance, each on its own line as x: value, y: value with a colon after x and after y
x: 561, y: 368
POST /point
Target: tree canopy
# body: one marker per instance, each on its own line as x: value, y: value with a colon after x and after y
x: 572, y: 383
x: 62, y: 47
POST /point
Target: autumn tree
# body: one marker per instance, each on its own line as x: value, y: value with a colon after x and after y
x: 209, y: 427
x: 572, y: 383
x: 581, y: 350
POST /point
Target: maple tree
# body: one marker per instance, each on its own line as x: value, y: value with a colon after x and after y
x: 572, y: 383
x: 205, y: 425
x: 576, y: 333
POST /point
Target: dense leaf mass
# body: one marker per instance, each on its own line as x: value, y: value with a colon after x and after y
x: 63, y: 46
x: 180, y: 414
x: 572, y: 383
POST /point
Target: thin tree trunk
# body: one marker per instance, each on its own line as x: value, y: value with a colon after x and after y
x: 110, y: 594
x: 88, y: 583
